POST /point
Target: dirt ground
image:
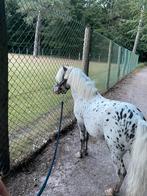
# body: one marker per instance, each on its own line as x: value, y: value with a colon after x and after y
x: 89, y: 176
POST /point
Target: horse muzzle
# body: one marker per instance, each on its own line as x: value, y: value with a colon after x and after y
x: 59, y: 90
x: 56, y: 89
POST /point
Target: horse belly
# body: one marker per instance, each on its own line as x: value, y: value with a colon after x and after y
x: 93, y: 127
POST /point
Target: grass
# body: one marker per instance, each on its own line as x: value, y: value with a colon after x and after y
x: 31, y: 81
x: 33, y: 107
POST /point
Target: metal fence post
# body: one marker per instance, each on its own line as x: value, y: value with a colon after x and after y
x: 4, y: 140
x: 128, y: 62
x: 137, y: 59
x: 109, y: 64
x: 118, y: 62
x: 86, y: 49
x: 125, y: 62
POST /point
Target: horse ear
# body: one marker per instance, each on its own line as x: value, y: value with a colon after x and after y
x: 64, y: 68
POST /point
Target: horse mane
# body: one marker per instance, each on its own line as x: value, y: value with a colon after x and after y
x: 82, y: 84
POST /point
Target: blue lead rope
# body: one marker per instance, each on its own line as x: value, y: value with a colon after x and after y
x: 54, y: 157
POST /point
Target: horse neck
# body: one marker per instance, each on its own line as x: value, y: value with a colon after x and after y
x: 74, y: 94
x: 81, y: 85
x: 77, y: 97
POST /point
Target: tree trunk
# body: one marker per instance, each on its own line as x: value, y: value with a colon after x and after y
x: 36, y: 41
x: 138, y: 30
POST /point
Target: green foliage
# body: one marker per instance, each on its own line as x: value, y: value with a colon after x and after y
x: 115, y: 19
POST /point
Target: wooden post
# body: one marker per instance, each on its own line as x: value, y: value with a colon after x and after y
x: 86, y: 49
x: 109, y: 64
x: 4, y: 140
x: 118, y: 63
x: 37, y: 31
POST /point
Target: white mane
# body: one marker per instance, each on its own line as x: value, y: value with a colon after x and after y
x: 81, y: 83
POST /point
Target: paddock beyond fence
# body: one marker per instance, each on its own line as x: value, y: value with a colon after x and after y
x: 40, y: 40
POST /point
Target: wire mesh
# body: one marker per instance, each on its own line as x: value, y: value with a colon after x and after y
x: 98, y: 66
x: 122, y: 62
x: 114, y: 65
x: 35, y: 53
x: 40, y: 39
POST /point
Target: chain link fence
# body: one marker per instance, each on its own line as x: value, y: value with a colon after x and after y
x: 47, y: 39
x: 109, y: 62
x: 40, y: 39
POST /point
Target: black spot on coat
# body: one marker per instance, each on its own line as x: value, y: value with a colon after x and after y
x: 131, y: 114
x: 131, y: 136
x: 144, y: 118
x: 125, y: 115
x: 121, y: 113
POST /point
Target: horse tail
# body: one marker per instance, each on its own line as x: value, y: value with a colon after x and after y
x: 137, y: 172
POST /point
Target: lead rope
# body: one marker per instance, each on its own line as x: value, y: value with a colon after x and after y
x: 54, y: 157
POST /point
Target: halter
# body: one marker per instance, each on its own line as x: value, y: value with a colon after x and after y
x: 62, y: 83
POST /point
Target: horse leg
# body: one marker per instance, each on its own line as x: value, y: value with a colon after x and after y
x: 84, y: 137
x: 86, y: 142
x: 83, y: 140
x: 121, y: 171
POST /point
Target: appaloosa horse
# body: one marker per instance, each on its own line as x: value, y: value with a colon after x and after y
x: 122, y: 124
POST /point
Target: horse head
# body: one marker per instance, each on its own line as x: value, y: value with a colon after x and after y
x: 61, y: 78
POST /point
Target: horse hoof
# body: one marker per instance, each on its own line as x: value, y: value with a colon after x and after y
x: 86, y: 153
x: 78, y: 155
x: 109, y: 192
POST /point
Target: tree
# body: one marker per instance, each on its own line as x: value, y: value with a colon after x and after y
x: 15, y: 21
x: 139, y: 29
x: 62, y: 22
